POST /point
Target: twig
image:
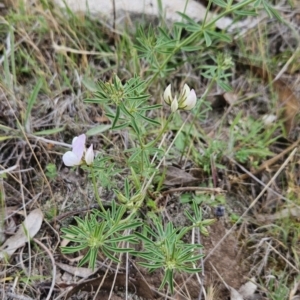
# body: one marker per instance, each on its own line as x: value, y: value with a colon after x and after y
x: 18, y: 297
x: 219, y: 275
x: 71, y: 50
x: 194, y: 188
x: 8, y: 170
x: 49, y: 141
x: 53, y: 267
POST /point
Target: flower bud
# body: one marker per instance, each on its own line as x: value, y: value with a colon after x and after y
x: 89, y: 155
x: 168, y: 95
x: 185, y: 91
x: 174, y: 105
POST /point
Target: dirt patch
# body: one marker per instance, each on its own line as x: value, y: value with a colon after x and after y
x: 226, y: 259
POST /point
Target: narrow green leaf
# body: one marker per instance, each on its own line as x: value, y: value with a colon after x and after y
x: 49, y: 131
x: 151, y: 107
x: 144, y: 238
x: 31, y: 101
x: 124, y: 238
x: 109, y: 255
x: 207, y: 38
x: 192, y: 270
x: 150, y: 266
x: 90, y: 84
x: 121, y: 126
x: 116, y: 118
x: 98, y: 129
x: 149, y: 120
x: 73, y: 249
x: 135, y: 127
x: 3, y: 138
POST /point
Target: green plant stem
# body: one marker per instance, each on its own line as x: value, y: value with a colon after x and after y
x: 96, y: 190
x: 206, y: 12
x: 151, y: 144
x: 196, y: 112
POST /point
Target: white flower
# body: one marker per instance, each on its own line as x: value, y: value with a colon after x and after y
x: 269, y: 119
x: 74, y: 157
x: 186, y: 101
x: 89, y: 155
x: 190, y: 101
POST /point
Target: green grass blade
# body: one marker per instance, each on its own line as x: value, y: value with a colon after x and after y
x: 31, y: 101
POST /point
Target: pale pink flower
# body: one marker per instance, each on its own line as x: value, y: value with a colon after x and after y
x: 74, y: 157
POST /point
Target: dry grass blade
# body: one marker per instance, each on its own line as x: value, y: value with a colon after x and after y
x: 284, y: 213
x: 53, y: 267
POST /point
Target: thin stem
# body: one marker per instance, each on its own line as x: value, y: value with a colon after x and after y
x: 96, y: 190
x: 196, y: 113
x: 161, y: 132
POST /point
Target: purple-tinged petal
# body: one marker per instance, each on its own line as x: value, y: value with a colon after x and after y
x: 70, y: 159
x: 78, y: 145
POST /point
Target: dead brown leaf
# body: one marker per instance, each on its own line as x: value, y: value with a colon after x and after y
x: 288, y: 103
x: 76, y: 271
x: 175, y: 176
x: 27, y: 230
